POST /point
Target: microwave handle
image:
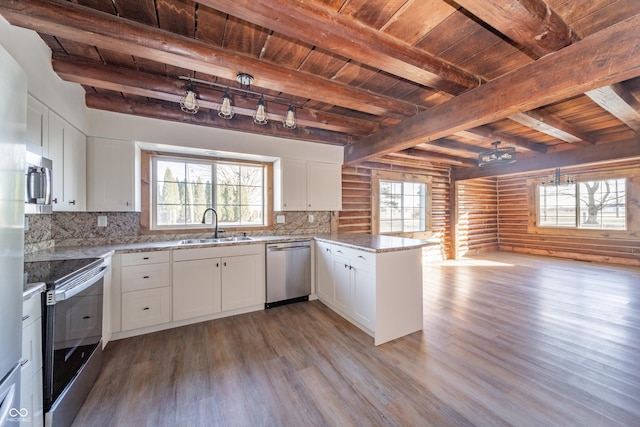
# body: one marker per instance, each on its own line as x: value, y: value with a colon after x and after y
x: 48, y: 185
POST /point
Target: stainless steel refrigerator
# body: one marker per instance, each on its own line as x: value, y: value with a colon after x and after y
x: 13, y: 113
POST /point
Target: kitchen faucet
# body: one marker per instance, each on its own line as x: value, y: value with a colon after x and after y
x: 216, y: 231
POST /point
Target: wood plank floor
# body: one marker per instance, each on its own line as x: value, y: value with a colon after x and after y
x: 508, y: 340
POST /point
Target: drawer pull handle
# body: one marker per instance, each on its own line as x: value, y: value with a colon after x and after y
x: 145, y: 277
x: 24, y: 362
x: 346, y: 265
x: 339, y: 251
x: 361, y: 257
x: 217, y: 264
x: 25, y: 317
x: 86, y: 317
x: 145, y: 257
x: 327, y: 249
x: 146, y: 308
x: 72, y: 202
x: 224, y: 263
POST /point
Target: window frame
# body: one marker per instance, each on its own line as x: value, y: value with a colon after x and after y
x: 632, y: 192
x: 376, y: 177
x: 147, y: 216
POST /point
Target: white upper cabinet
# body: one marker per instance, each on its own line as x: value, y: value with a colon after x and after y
x: 307, y: 186
x: 113, y: 175
x: 67, y: 150
x: 37, y: 127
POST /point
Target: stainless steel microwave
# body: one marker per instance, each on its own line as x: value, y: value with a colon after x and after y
x: 38, y: 184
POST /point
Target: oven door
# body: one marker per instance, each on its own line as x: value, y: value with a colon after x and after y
x: 73, y: 330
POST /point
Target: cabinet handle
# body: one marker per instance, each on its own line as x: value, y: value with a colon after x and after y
x: 146, y: 257
x: 309, y: 205
x: 217, y: 264
x: 23, y: 362
x: 55, y: 200
x: 146, y: 308
x: 339, y: 251
x: 25, y: 317
x: 346, y: 265
x: 126, y: 203
x: 224, y: 264
x: 86, y: 317
x: 145, y: 277
x: 327, y: 249
x: 72, y: 202
x: 361, y: 257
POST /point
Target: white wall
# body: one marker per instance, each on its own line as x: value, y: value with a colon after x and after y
x: 123, y: 126
x: 34, y: 56
x: 67, y: 99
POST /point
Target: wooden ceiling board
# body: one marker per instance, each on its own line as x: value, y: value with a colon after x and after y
x: 106, y: 6
x: 285, y: 51
x: 373, y: 14
x: 322, y: 63
x: 416, y: 18
x: 80, y: 50
x: 441, y: 38
x: 153, y: 67
x: 243, y: 37
x: 211, y: 25
x: 142, y: 11
x: 54, y: 45
x: 177, y: 16
x: 354, y: 74
x: 589, y: 17
x: 111, y: 57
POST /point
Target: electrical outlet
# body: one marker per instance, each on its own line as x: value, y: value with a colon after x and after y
x: 279, y: 219
x: 311, y: 218
x: 102, y: 221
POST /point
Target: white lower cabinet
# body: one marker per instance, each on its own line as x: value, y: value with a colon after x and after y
x: 380, y: 292
x: 144, y: 308
x: 31, y: 363
x: 196, y: 288
x: 217, y: 279
x: 145, y: 283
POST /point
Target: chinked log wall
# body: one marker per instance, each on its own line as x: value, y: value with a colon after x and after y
x: 513, y: 217
x: 355, y: 216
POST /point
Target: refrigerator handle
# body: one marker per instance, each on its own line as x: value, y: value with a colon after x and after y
x: 6, y: 403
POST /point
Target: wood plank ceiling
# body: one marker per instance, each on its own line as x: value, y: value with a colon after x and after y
x: 430, y: 80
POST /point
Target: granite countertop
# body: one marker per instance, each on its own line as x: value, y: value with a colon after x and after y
x: 367, y: 242
x: 31, y: 289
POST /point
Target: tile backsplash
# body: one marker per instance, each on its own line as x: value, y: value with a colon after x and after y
x: 81, y: 229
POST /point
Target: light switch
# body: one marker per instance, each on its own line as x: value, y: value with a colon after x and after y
x: 279, y: 219
x: 311, y: 218
x: 102, y: 221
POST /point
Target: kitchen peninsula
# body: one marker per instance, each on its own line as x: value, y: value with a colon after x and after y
x: 375, y: 282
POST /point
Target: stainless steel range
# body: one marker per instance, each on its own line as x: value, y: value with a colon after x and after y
x: 72, y: 333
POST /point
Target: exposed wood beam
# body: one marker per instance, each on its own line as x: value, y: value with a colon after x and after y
x: 547, y: 123
x: 619, y: 102
x: 607, y: 57
x: 84, y: 25
x: 350, y: 39
x: 451, y: 144
x: 488, y: 133
x: 530, y: 23
x: 416, y: 153
x: 166, y: 111
x: 537, y: 27
x: 601, y: 153
x: 126, y: 80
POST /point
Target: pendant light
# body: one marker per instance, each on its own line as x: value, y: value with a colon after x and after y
x: 189, y: 102
x: 290, y: 118
x: 260, y: 116
x: 226, y: 109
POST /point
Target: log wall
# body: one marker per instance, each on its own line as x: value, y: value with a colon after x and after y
x: 476, y: 216
x: 355, y: 216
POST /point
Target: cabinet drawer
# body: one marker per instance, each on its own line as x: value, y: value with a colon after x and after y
x: 142, y: 258
x: 31, y: 310
x: 146, y: 308
x: 354, y: 254
x: 139, y: 277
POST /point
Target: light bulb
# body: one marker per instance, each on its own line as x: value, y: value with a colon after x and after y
x: 260, y: 116
x: 290, y: 118
x: 226, y: 109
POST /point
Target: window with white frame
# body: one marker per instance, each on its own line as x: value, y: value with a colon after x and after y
x: 597, y: 204
x: 183, y: 188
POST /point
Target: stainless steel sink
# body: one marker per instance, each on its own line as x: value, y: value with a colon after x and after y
x: 212, y: 240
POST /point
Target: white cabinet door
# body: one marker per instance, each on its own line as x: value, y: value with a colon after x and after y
x: 324, y: 186
x: 324, y: 276
x: 67, y: 150
x: 75, y: 169
x: 196, y: 288
x: 37, y: 127
x: 363, y: 288
x: 113, y: 175
x: 292, y: 183
x: 241, y: 284
x: 342, y: 282
x: 56, y: 154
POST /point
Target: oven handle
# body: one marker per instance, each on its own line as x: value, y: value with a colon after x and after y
x: 64, y: 294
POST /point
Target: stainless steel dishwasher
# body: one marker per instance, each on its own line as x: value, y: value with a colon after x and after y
x: 288, y: 273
